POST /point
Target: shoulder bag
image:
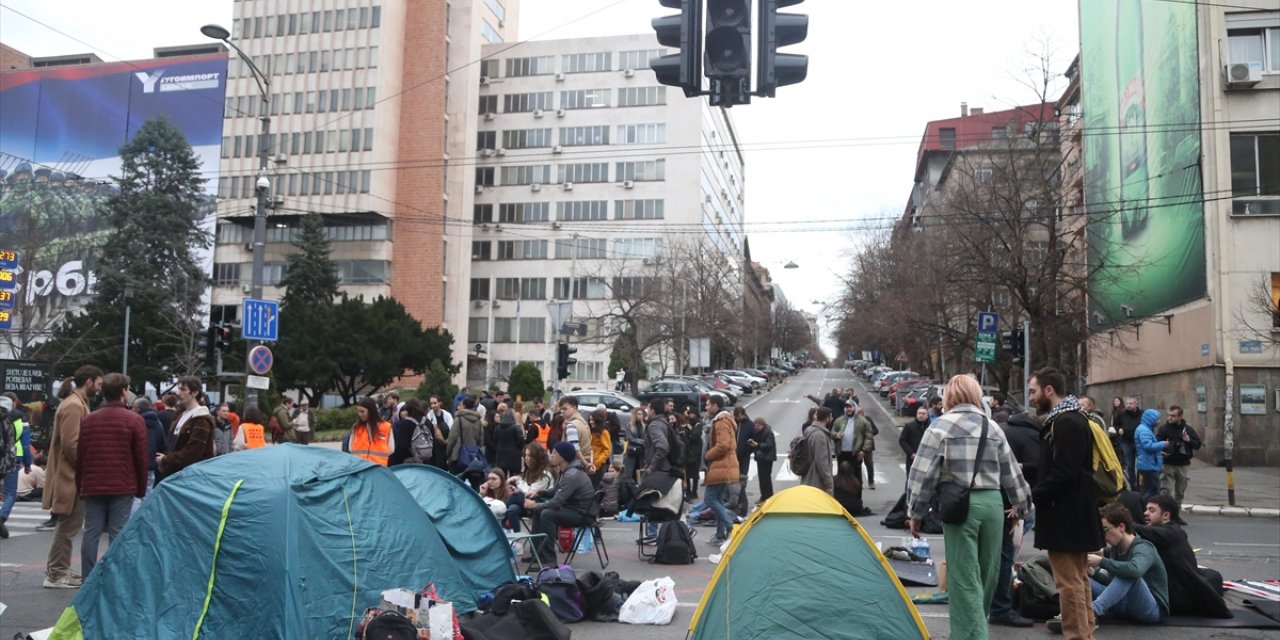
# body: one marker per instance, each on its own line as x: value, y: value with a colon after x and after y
x: 953, y: 497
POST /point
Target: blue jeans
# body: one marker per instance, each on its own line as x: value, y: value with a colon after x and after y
x: 1150, y: 484
x: 1129, y: 458
x: 10, y: 491
x: 137, y: 502
x: 102, y: 514
x: 1125, y: 598
x: 714, y: 497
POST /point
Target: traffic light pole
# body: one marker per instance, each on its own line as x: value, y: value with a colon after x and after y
x: 1026, y: 360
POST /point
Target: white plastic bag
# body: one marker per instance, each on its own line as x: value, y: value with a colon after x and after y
x: 653, y: 602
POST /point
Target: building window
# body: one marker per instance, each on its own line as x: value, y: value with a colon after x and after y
x: 638, y: 59
x: 497, y: 8
x: 489, y: 33
x: 485, y: 176
x: 1255, y: 173
x: 947, y: 138
x: 643, y: 171
x: 481, y: 250
x: 477, y: 330
x: 486, y: 140
x: 584, y: 136
x: 655, y: 133
x: 482, y: 214
x: 984, y: 176
x: 632, y: 287
x: 586, y: 371
x: 624, y: 248
x: 582, y: 210
x: 1275, y: 300
x: 522, y: 288
x: 646, y: 209
x: 526, y: 174
x: 523, y: 212
x: 226, y: 273
x: 533, y: 330
x: 524, y: 102
x: 531, y: 66
x: 584, y: 99
x: 522, y: 249
x: 642, y: 96
x: 586, y: 62
x: 488, y: 104
x: 1254, y: 38
x: 585, y: 248
x: 526, y: 138
x: 585, y: 172
x: 480, y: 289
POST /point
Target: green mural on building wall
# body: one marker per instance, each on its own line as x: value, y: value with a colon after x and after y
x: 1143, y: 188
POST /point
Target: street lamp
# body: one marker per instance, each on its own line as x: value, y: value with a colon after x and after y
x: 128, y: 311
x: 263, y: 186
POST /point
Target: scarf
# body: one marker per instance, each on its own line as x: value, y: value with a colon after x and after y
x: 1068, y: 403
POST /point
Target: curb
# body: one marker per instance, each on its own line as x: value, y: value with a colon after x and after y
x: 1229, y: 511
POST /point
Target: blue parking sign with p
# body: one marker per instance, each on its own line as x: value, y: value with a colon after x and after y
x: 988, y: 321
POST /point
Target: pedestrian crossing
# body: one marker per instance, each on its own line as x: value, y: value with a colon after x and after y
x: 24, y: 519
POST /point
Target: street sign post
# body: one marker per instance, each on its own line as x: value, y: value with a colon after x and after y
x: 984, y: 349
x: 261, y: 320
x: 261, y: 359
x: 257, y: 382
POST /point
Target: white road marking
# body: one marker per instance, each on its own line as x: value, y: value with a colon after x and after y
x: 1247, y: 544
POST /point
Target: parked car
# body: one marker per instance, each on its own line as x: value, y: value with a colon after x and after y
x: 895, y: 390
x: 759, y: 373
x: 728, y: 397
x: 740, y: 386
x: 619, y: 404
x: 683, y: 392
x: 755, y: 381
x: 913, y: 397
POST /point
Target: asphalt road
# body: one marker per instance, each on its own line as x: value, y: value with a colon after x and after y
x: 1246, y: 548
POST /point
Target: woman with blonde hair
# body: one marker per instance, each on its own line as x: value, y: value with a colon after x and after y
x: 966, y: 447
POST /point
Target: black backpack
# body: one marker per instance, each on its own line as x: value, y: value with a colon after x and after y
x: 8, y: 440
x: 675, y: 544
x: 675, y: 448
x: 390, y: 625
x: 600, y: 593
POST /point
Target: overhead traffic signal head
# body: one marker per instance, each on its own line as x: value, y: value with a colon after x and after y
x: 684, y: 32
x: 779, y: 30
x: 206, y: 343
x: 728, y: 51
x: 564, y: 359
x: 1012, y: 342
x: 224, y: 338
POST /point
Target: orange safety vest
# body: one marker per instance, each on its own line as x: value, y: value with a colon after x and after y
x: 544, y: 432
x: 254, y: 435
x: 377, y: 451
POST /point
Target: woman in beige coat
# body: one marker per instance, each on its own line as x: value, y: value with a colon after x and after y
x: 722, y: 465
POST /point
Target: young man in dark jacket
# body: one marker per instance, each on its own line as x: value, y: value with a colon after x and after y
x: 1183, y: 444
x: 156, y: 442
x: 1190, y: 592
x: 569, y: 507
x: 192, y: 431
x: 111, y: 468
x: 1022, y: 432
x: 1068, y: 527
x: 1126, y: 424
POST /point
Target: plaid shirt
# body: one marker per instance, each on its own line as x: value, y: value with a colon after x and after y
x: 947, y: 453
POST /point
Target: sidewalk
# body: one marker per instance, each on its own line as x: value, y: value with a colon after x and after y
x: 1257, y: 491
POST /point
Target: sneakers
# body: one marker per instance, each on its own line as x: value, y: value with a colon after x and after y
x: 48, y: 525
x: 647, y: 540
x: 1012, y: 619
x: 4, y: 531
x: 1054, y: 625
x: 717, y: 540
x: 65, y: 582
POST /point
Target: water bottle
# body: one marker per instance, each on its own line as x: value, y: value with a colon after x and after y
x: 921, y: 548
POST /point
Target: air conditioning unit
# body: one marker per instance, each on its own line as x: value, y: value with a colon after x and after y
x: 501, y: 151
x: 557, y: 149
x: 647, y: 261
x: 555, y: 225
x: 484, y: 80
x: 628, y: 73
x: 277, y: 201
x: 535, y: 187
x: 568, y: 186
x: 628, y: 184
x: 560, y: 113
x: 489, y: 116
x: 248, y: 246
x: 282, y: 158
x: 559, y: 77
x: 708, y: 198
x: 537, y: 113
x: 1242, y: 75
x: 479, y: 188
x: 486, y: 152
x: 478, y: 304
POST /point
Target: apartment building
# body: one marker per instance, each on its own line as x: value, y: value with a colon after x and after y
x: 585, y: 173
x: 372, y: 115
x: 1213, y: 348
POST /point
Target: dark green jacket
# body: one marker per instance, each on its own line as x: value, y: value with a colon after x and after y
x: 1141, y: 560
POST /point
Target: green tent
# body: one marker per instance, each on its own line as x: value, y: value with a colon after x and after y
x: 280, y: 542
x: 473, y: 536
x: 800, y: 567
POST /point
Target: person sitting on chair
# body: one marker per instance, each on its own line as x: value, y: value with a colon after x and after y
x: 570, y: 506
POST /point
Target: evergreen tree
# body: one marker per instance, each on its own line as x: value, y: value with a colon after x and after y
x: 525, y: 382
x: 438, y: 382
x: 310, y: 275
x: 381, y: 342
x: 307, y: 328
x: 150, y: 254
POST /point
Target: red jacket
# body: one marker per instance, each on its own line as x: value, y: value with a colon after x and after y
x: 112, y: 458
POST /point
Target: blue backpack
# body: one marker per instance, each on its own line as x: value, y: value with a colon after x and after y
x: 560, y: 585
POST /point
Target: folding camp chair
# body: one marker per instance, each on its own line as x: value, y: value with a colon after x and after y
x: 593, y: 528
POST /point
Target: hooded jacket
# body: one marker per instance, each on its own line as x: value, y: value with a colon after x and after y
x: 194, y: 443
x: 466, y: 432
x: 722, y: 451
x: 1144, y: 439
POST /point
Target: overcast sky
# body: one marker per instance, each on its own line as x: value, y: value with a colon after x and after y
x: 837, y: 150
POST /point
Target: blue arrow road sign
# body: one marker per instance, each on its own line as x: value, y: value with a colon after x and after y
x: 261, y: 320
x: 988, y: 321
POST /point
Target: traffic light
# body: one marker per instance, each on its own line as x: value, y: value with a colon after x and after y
x: 779, y: 30
x: 1012, y: 342
x: 224, y: 338
x: 207, y: 345
x: 728, y: 51
x: 684, y: 31
x: 564, y: 359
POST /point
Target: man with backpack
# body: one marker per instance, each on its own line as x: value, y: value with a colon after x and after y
x: 1066, y: 507
x: 810, y: 455
x: 283, y: 416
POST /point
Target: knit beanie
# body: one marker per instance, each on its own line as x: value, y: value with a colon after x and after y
x: 566, y: 450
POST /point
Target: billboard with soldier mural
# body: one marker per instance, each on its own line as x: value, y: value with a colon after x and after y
x: 1140, y: 81
x: 59, y: 147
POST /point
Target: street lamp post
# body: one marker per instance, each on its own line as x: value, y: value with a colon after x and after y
x: 128, y: 311
x: 262, y: 189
